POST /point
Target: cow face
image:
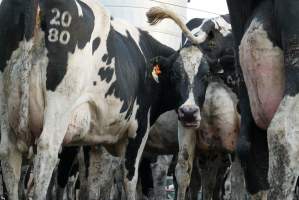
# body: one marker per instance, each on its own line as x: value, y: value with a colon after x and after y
x: 188, y: 76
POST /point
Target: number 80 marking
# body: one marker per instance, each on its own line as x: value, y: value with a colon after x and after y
x: 64, y: 37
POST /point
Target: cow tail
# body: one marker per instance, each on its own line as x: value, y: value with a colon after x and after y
x: 32, y: 23
x: 25, y: 69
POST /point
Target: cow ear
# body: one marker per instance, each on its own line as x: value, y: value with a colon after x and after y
x: 157, y: 67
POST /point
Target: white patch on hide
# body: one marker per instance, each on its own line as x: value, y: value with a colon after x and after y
x: 222, y: 26
x: 80, y: 12
x: 140, y: 150
x: 133, y: 124
x: 190, y: 100
x: 191, y: 58
x: 124, y: 28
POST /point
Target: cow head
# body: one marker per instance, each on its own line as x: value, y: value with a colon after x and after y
x: 185, y: 74
x: 217, y: 46
x: 190, y: 66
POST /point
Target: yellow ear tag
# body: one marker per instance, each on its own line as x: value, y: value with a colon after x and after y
x: 156, y: 72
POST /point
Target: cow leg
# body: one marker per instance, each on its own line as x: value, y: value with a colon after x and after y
x: 95, y: 175
x: 146, y: 177
x: 118, y: 190
x: 67, y: 157
x: 208, y: 179
x: 1, y: 184
x: 283, y: 136
x: 11, y: 169
x: 130, y: 180
x: 183, y: 170
x: 3, y: 123
x: 240, y: 12
x: 46, y: 160
x: 83, y: 160
x: 171, y: 172
x: 133, y: 155
x: 238, y: 188
x: 257, y: 165
x: 244, y: 143
x: 56, y: 122
x: 160, y: 169
x: 252, y: 147
x: 209, y: 172
x: 101, y: 175
x: 195, y: 182
x: 221, y: 178
x: 283, y: 145
x: 4, y: 140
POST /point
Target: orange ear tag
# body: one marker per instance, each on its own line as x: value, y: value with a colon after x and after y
x: 156, y: 72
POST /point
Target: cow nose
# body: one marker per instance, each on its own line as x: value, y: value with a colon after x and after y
x: 188, y: 113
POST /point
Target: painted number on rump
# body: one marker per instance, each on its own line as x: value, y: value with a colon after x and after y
x: 64, y: 20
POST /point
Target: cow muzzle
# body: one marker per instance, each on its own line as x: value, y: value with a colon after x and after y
x: 189, y: 116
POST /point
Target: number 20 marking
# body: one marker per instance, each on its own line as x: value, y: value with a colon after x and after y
x: 65, y: 21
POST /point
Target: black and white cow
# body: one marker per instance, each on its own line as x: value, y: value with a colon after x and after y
x: 208, y: 117
x: 72, y: 75
x: 266, y: 37
x: 163, y: 135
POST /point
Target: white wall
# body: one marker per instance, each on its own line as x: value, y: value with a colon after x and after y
x: 206, y: 8
x: 134, y: 12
